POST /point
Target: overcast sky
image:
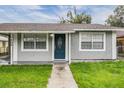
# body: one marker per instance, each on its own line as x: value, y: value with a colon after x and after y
x: 50, y: 14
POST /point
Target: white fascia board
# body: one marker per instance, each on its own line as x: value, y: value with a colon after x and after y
x: 73, y: 31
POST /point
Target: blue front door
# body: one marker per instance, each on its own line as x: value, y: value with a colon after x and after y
x: 59, y: 52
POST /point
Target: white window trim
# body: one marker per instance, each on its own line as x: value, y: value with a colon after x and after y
x: 104, y: 46
x: 22, y: 45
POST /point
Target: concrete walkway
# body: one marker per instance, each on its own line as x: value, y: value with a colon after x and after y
x: 61, y: 77
x: 4, y: 60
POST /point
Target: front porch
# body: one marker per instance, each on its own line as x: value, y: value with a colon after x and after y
x: 58, y: 49
x: 4, y: 49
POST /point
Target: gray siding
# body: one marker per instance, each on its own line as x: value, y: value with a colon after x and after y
x: 34, y: 56
x: 82, y: 55
x: 42, y: 57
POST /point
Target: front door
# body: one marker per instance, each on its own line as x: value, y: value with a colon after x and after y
x: 59, y: 52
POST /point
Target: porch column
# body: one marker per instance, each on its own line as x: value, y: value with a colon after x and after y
x: 52, y: 36
x: 69, y: 48
x: 11, y: 49
x: 114, y: 48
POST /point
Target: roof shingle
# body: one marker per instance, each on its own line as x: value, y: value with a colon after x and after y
x: 50, y: 27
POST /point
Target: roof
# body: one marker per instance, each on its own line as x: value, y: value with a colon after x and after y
x: 50, y: 27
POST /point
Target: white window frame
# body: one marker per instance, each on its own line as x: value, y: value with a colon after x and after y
x: 104, y: 46
x: 22, y: 44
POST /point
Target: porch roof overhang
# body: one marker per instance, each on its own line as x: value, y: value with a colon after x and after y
x: 37, y: 31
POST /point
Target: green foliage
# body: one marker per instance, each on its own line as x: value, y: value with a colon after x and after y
x: 117, y: 19
x: 24, y: 76
x: 99, y: 74
x: 73, y: 17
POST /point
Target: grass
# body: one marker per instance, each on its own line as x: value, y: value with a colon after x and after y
x: 24, y: 76
x: 98, y: 75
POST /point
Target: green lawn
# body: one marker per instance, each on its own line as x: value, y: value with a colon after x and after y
x: 24, y: 76
x: 99, y: 75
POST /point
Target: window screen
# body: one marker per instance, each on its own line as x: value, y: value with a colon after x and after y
x: 92, y: 40
x: 34, y: 41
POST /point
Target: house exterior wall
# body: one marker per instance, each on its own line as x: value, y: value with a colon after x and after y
x: 34, y: 56
x: 76, y: 54
x: 39, y: 57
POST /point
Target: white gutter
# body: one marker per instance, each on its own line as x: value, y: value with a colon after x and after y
x: 98, y: 29
x: 73, y: 31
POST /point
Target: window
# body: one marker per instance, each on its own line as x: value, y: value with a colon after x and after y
x: 28, y: 41
x: 34, y: 41
x: 40, y: 41
x: 86, y: 41
x: 92, y: 40
x: 98, y: 41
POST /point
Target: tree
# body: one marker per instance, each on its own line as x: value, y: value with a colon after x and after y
x: 117, y: 19
x: 76, y: 18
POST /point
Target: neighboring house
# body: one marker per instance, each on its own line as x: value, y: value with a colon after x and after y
x: 48, y: 43
x: 3, y: 45
x: 120, y: 42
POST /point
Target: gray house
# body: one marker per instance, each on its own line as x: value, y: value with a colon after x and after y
x: 47, y: 43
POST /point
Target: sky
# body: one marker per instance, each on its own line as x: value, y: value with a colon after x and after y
x: 51, y: 13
